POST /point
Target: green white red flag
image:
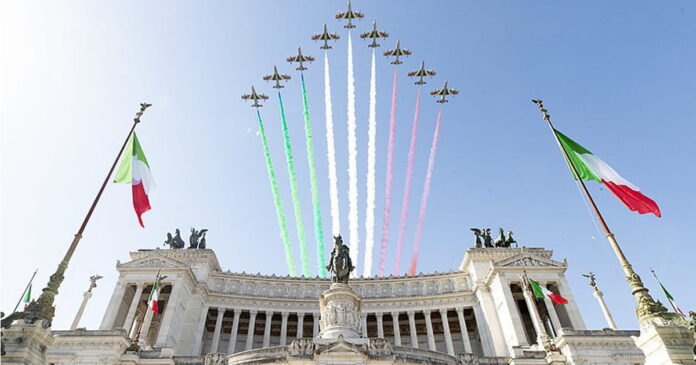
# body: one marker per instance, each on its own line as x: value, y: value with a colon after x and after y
x: 154, y: 297
x: 135, y: 170
x: 27, y: 297
x: 540, y: 292
x: 591, y: 167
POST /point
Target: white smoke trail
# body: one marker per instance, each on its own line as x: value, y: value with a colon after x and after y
x: 331, y: 151
x: 352, y: 162
x: 371, y: 157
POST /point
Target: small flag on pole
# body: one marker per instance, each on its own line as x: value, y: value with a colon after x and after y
x: 135, y: 170
x: 540, y: 292
x: 27, y: 297
x: 154, y: 296
x: 669, y: 297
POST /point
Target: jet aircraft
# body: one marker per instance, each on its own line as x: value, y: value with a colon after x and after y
x: 443, y: 93
x: 326, y: 37
x: 397, y: 52
x: 421, y: 74
x: 300, y: 59
x: 277, y: 78
x: 350, y: 15
x: 374, y: 34
x: 255, y: 97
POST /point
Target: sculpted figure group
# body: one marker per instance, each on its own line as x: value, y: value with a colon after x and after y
x: 196, y: 239
x: 484, y: 239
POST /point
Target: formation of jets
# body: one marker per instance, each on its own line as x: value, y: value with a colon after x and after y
x: 301, y: 59
x: 350, y: 15
x: 326, y: 37
x: 397, y: 52
x: 374, y: 34
x: 443, y: 93
x: 255, y: 97
x: 421, y: 74
x: 277, y: 78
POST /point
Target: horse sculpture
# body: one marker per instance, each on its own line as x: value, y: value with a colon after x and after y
x: 340, y: 263
x: 174, y: 242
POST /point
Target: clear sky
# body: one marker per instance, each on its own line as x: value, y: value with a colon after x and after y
x: 618, y: 77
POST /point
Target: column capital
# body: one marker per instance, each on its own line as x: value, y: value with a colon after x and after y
x: 300, y: 314
x: 363, y: 315
x: 269, y: 313
x: 221, y: 310
x: 315, y: 314
x: 379, y: 314
x: 237, y: 312
x: 443, y: 311
x: 395, y: 314
x: 253, y: 312
x: 426, y: 311
x: 459, y: 309
x: 411, y: 314
x: 285, y: 314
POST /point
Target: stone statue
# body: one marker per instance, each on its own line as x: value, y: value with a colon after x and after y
x: 484, y: 239
x: 176, y: 241
x: 93, y: 281
x: 591, y: 276
x: 509, y: 240
x: 340, y: 263
x: 195, y: 237
x: 477, y: 233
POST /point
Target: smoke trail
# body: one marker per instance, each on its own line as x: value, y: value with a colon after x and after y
x: 407, y: 187
x: 293, y: 190
x: 352, y: 162
x: 276, y: 199
x: 318, y: 227
x: 371, y: 157
x: 424, y: 198
x: 388, y: 184
x: 331, y: 151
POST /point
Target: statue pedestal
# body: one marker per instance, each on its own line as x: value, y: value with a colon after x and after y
x: 665, y: 340
x: 26, y: 343
x: 340, y: 313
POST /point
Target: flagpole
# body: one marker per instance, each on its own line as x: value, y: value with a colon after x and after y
x: 543, y: 336
x: 646, y: 304
x: 42, y: 308
x: 25, y: 291
x: 671, y: 301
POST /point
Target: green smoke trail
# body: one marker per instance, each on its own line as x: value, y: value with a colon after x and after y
x: 318, y: 229
x: 293, y: 191
x: 276, y: 199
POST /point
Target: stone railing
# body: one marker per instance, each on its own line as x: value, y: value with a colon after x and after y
x: 256, y: 356
x: 85, y: 332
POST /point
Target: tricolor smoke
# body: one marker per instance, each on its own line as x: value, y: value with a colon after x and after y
x: 276, y: 199
x: 424, y: 198
x: 407, y: 188
x: 293, y: 191
x: 316, y: 208
x: 371, y: 158
x: 331, y: 152
x: 388, y: 183
x: 352, y: 161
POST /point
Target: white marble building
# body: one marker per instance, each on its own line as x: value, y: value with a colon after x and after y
x: 475, y: 314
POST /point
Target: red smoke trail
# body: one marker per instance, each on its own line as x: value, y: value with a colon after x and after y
x: 388, y: 185
x: 407, y: 187
x: 424, y: 198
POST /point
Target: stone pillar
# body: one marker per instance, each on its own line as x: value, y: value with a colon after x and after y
x: 300, y: 324
x: 552, y: 313
x: 572, y: 306
x: 198, y: 336
x: 380, y: 325
x: 26, y: 343
x: 397, y: 331
x: 250, y: 331
x: 78, y: 316
x: 412, y: 329
x: 464, y: 331
x: 267, y: 329
x: 145, y: 329
x: 284, y: 328
x: 114, y: 305
x: 448, y: 335
x: 534, y: 313
x: 340, y: 308
x: 218, y: 330
x: 486, y: 339
x: 664, y: 341
x: 429, y: 328
x: 363, y: 324
x: 128, y: 323
x: 605, y: 310
x: 170, y: 313
x: 315, y: 324
x: 233, y: 333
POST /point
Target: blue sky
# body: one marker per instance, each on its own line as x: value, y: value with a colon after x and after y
x: 617, y: 77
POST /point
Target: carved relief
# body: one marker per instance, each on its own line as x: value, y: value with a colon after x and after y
x: 379, y: 347
x: 215, y: 358
x: 302, y: 347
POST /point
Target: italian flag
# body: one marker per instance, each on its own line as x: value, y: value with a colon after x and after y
x: 591, y: 167
x: 27, y: 297
x: 540, y: 292
x: 154, y: 295
x: 671, y: 301
x: 135, y: 170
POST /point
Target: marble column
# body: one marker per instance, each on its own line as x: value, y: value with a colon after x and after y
x: 128, y: 323
x: 233, y: 333
x: 397, y: 331
x: 464, y: 331
x: 113, y: 307
x: 250, y: 331
x: 315, y: 324
x: 552, y: 311
x: 198, y: 336
x: 380, y: 325
x: 85, y: 297
x: 412, y: 329
x: 607, y: 315
x: 448, y: 334
x: 267, y: 329
x: 487, y: 341
x: 171, y: 312
x: 218, y: 330
x: 300, y: 324
x: 363, y: 324
x: 429, y: 328
x: 145, y: 329
x: 284, y: 328
x: 534, y: 313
